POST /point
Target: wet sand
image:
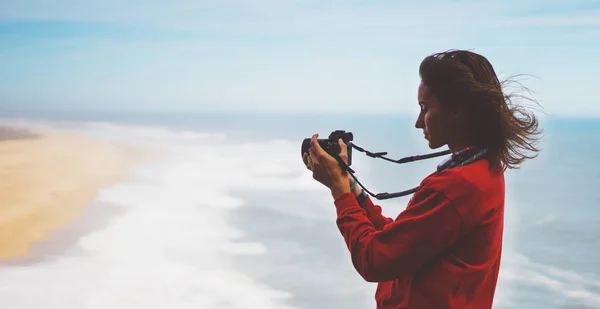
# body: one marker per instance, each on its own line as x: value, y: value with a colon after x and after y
x: 47, y: 180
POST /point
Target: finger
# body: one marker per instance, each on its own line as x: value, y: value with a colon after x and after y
x: 316, y: 147
x: 307, y: 161
x: 312, y: 154
x: 319, y: 154
x: 314, y: 159
x: 343, y: 150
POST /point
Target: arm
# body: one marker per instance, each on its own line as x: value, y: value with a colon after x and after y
x: 373, y: 211
x: 426, y: 228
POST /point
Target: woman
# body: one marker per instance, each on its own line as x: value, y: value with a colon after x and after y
x: 444, y: 249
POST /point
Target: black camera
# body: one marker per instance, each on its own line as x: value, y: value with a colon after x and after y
x: 331, y: 144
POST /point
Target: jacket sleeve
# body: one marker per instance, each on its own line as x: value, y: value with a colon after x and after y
x: 429, y: 225
x: 374, y: 214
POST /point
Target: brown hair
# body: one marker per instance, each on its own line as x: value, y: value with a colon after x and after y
x: 466, y: 80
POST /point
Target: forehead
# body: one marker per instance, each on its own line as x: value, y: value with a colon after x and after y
x: 424, y: 94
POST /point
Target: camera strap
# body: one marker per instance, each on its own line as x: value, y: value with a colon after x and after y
x: 460, y: 158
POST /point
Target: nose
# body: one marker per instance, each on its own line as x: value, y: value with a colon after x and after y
x: 420, y: 124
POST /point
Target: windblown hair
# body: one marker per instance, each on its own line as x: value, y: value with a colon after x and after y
x: 466, y: 81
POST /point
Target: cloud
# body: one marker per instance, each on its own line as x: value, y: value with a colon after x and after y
x: 277, y: 16
x: 95, y: 10
x: 578, y: 19
x: 268, y: 54
x: 427, y: 21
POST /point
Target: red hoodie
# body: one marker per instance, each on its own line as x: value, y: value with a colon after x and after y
x: 442, y: 252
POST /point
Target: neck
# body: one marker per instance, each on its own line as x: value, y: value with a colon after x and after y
x: 458, y: 146
x: 460, y: 140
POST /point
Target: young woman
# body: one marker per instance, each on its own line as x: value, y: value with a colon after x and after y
x: 444, y: 249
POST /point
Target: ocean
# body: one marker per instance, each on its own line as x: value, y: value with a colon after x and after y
x: 230, y: 218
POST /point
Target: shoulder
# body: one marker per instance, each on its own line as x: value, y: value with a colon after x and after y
x: 470, y: 188
x: 471, y: 179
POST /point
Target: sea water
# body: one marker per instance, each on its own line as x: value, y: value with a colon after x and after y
x: 229, y: 217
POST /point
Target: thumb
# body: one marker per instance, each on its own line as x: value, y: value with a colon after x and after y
x: 343, y: 146
x: 343, y: 150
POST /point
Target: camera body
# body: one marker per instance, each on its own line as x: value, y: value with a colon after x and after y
x: 331, y: 145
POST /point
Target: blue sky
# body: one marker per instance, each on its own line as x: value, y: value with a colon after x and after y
x: 319, y: 56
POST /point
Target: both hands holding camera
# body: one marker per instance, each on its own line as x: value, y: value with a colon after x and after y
x: 327, y: 170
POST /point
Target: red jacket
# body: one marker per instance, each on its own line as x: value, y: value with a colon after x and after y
x: 443, y: 251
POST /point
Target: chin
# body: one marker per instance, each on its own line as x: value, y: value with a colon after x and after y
x: 434, y: 145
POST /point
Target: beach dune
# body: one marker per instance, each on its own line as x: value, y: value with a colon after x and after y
x: 47, y: 177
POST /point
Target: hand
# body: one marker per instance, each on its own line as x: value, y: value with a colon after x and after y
x: 326, y: 168
x: 308, y: 163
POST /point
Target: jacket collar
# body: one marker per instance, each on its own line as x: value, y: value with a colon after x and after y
x: 462, y: 157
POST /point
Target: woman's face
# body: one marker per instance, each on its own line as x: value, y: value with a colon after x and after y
x: 439, y: 126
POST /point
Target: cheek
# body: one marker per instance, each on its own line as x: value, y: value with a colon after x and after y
x: 436, y: 125
x: 430, y: 121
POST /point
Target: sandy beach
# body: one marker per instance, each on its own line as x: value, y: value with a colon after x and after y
x: 48, y: 177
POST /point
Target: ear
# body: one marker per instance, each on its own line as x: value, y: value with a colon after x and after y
x: 457, y: 115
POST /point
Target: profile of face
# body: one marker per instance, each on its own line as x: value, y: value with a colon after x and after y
x: 440, y: 127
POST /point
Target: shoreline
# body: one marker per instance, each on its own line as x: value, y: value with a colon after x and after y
x: 63, y: 240
x: 51, y: 180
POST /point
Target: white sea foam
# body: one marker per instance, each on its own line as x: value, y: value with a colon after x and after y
x: 169, y: 249
x: 545, y: 220
x: 568, y: 283
x: 518, y: 268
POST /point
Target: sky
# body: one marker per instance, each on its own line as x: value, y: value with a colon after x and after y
x: 267, y: 55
